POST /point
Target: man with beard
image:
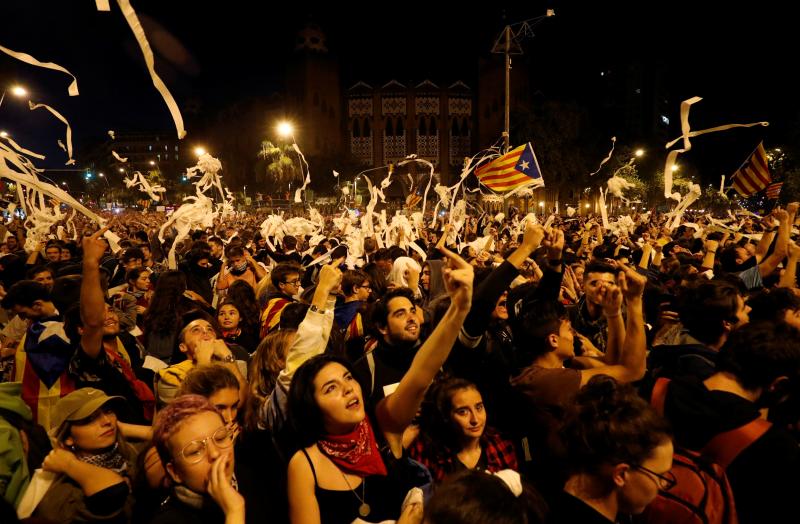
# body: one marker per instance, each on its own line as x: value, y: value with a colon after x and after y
x: 101, y: 359
x: 724, y: 415
x: 396, y: 325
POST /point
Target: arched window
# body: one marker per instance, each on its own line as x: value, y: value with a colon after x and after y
x: 433, y: 130
x: 356, y: 129
x: 423, y: 128
x: 367, y: 130
x: 454, y: 128
x: 400, y: 129
x: 389, y: 127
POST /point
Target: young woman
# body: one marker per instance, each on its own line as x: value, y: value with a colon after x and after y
x: 619, y: 451
x: 230, y: 318
x: 196, y: 446
x: 133, y: 302
x: 454, y: 436
x: 351, y: 465
x: 92, y: 460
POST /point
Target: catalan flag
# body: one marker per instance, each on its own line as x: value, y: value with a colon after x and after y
x: 515, y: 169
x: 753, y: 176
x: 774, y: 190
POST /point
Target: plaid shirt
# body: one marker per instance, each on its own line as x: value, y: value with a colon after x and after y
x: 498, y: 454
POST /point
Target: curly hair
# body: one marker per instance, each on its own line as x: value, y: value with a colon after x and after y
x: 609, y: 424
x: 170, y: 419
x: 265, y: 365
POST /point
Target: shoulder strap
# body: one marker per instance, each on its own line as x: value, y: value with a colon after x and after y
x: 311, y: 464
x: 725, y: 447
x: 371, y: 364
x: 659, y: 395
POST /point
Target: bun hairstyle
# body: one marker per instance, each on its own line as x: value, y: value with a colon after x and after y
x: 609, y: 424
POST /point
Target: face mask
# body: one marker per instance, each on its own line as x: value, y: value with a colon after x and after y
x: 241, y: 268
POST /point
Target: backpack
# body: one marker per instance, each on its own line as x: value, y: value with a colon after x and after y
x: 702, y: 494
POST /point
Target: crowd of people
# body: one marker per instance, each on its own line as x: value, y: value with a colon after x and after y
x: 507, y: 372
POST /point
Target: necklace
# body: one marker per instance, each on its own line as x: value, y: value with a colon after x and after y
x: 364, y: 508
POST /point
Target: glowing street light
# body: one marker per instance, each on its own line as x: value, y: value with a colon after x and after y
x: 16, y: 90
x: 586, y: 206
x: 639, y: 152
x: 3, y: 134
x: 675, y: 167
x: 121, y: 170
x: 199, y: 151
x: 152, y: 162
x: 541, y: 203
x: 285, y: 129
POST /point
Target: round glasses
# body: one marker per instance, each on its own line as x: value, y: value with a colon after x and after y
x: 196, y: 450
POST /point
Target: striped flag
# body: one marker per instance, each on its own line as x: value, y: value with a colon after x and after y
x: 774, y: 190
x: 753, y: 176
x: 515, y: 169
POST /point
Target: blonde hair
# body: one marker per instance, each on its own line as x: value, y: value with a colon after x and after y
x: 267, y: 362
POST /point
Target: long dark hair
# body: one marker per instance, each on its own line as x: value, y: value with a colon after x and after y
x: 164, y: 313
x: 436, y: 427
x: 305, y: 415
x: 243, y: 296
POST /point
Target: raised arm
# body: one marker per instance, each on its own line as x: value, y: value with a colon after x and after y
x: 630, y: 365
x: 93, y: 305
x: 397, y: 410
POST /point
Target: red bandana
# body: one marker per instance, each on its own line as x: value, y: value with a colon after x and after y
x: 355, y: 452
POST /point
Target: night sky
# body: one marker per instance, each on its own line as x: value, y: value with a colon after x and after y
x: 741, y: 60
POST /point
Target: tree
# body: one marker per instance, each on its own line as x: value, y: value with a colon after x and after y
x: 278, y: 166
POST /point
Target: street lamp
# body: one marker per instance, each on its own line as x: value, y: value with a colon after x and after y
x: 16, y: 90
x: 152, y: 162
x: 199, y: 151
x: 3, y: 134
x: 285, y: 129
x: 639, y: 152
x: 674, y: 167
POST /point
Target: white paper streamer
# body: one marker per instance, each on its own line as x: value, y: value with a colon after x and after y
x: 114, y: 153
x: 686, y: 134
x: 58, y: 115
x: 141, y: 182
x: 144, y: 45
x: 102, y: 5
x: 22, y: 150
x: 111, y: 134
x: 606, y: 159
x: 28, y: 59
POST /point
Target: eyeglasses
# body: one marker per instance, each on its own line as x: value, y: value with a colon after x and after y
x: 665, y: 482
x: 365, y: 286
x: 196, y: 450
x: 292, y: 282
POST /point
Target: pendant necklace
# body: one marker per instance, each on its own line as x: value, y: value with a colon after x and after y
x: 364, y: 508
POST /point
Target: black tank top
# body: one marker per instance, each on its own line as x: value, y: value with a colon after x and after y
x: 384, y: 494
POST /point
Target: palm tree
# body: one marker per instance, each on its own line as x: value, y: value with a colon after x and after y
x: 278, y: 165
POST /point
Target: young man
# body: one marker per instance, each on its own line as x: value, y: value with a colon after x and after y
x: 587, y: 315
x: 44, y: 353
x: 545, y: 338
x: 349, y: 314
x: 286, y: 281
x: 396, y: 324
x: 201, y: 344
x: 240, y: 266
x: 709, y: 312
x: 758, y: 366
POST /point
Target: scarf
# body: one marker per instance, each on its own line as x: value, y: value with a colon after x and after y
x: 355, y: 452
x: 111, y: 459
x: 240, y: 269
x: 194, y: 499
x: 136, y: 293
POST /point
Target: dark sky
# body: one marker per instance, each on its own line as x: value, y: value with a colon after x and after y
x: 740, y: 59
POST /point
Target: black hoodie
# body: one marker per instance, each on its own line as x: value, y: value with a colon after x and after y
x: 765, y: 477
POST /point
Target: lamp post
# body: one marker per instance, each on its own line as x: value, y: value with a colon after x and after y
x: 16, y: 90
x: 507, y: 44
